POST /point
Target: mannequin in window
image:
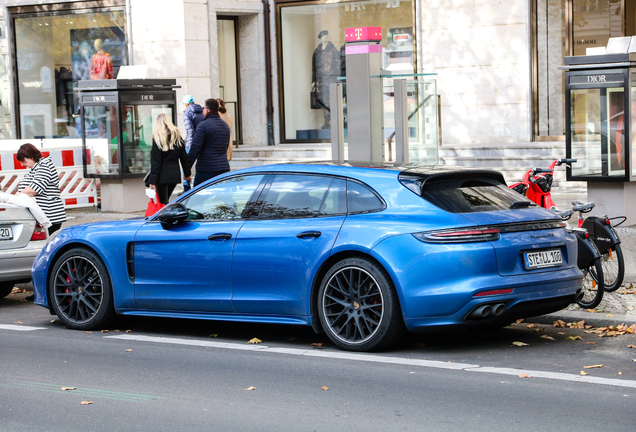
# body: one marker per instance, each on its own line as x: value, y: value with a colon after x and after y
x: 325, y: 69
x: 102, y: 64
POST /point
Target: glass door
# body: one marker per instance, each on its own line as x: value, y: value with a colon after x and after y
x: 229, y: 77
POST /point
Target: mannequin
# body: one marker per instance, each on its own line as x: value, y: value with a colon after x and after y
x: 102, y: 64
x: 325, y: 67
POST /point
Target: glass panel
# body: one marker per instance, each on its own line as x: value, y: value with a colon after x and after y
x: 312, y: 38
x: 53, y: 53
x: 616, y: 133
x: 228, y: 75
x: 336, y: 202
x: 585, y: 131
x: 5, y: 113
x: 224, y: 200
x: 632, y: 129
x: 100, y: 125
x: 551, y: 48
x: 137, y: 124
x: 360, y: 199
x: 292, y: 196
x: 594, y: 22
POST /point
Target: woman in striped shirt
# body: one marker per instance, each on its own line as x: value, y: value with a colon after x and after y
x: 42, y: 182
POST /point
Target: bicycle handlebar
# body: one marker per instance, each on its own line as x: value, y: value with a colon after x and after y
x: 565, y: 161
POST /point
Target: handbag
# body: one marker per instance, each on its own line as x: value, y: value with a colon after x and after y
x: 154, y: 205
x: 314, y: 103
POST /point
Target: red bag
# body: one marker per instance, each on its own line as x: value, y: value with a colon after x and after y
x: 153, y: 207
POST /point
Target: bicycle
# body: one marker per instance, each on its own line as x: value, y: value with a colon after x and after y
x: 536, y: 185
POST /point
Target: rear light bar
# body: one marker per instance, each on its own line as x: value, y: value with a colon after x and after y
x: 39, y: 233
x: 461, y: 235
x: 493, y: 292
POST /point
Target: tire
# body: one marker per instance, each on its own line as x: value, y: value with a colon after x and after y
x: 358, y: 306
x: 80, y: 290
x: 613, y: 268
x: 592, y: 292
x: 6, y: 288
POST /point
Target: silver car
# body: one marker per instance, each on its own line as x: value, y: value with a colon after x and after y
x: 21, y: 239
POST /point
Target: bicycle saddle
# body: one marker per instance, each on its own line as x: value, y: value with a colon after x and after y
x: 563, y: 214
x: 582, y: 207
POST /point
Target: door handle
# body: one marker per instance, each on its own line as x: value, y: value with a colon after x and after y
x: 220, y: 236
x: 314, y: 234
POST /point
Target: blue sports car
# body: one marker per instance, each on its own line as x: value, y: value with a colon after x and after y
x: 361, y: 253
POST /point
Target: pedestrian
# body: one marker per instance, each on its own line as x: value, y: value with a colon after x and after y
x: 42, y: 182
x: 168, y: 148
x: 209, y: 146
x: 192, y: 116
x: 226, y: 116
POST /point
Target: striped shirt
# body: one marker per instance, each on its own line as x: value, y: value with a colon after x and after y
x: 44, y: 179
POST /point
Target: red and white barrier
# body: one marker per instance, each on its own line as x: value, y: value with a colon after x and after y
x: 76, y: 191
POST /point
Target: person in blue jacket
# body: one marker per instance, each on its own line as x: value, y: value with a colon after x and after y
x: 209, y: 146
x: 192, y: 116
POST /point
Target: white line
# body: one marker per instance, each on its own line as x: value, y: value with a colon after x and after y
x: 342, y: 355
x: 19, y: 327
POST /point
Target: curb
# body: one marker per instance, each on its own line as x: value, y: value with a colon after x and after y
x: 595, y: 319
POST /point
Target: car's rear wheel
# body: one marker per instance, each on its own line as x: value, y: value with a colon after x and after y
x: 80, y: 290
x: 358, y: 306
x: 592, y: 290
x: 6, y: 288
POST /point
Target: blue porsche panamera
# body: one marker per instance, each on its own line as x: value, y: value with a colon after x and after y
x: 363, y: 254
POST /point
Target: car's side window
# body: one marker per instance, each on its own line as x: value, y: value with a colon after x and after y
x: 336, y: 200
x: 360, y: 199
x: 224, y: 200
x: 294, y: 196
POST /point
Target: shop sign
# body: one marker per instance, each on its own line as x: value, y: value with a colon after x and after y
x: 98, y: 99
x: 597, y: 79
x: 363, y: 34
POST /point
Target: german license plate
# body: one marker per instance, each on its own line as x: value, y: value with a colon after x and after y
x: 6, y: 233
x: 542, y: 259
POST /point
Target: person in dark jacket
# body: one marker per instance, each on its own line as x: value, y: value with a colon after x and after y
x: 192, y: 116
x: 209, y: 146
x: 167, y: 150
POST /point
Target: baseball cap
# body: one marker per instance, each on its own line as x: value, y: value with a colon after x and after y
x: 187, y: 99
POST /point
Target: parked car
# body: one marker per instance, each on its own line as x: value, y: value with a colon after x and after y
x: 21, y: 239
x: 362, y: 254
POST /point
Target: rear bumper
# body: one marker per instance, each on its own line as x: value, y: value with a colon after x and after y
x: 15, y: 264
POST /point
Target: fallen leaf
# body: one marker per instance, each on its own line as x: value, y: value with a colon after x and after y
x: 547, y: 337
x: 558, y: 323
x: 519, y: 344
x: 609, y: 315
x: 88, y: 332
x: 531, y: 325
x: 128, y: 350
x: 620, y: 373
x: 583, y: 373
x: 525, y: 376
x: 591, y: 310
x: 86, y: 403
x: 317, y: 344
x: 519, y: 321
x: 18, y: 322
x: 255, y: 341
x: 249, y: 388
x: 53, y: 321
x: 560, y: 333
x: 580, y: 324
x: 68, y: 388
x: 214, y: 335
x: 593, y: 366
x: 573, y: 338
x: 104, y: 331
x: 325, y: 388
x: 631, y: 346
x: 128, y: 331
x: 116, y: 330
x: 591, y: 343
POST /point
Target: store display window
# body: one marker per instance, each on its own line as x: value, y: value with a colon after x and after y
x: 53, y: 52
x: 311, y: 44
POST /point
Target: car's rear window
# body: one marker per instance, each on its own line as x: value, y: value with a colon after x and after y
x: 466, y: 195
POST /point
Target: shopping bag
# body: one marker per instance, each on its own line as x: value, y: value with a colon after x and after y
x: 153, y: 207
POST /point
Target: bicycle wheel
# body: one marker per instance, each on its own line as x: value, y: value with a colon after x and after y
x: 592, y: 290
x: 613, y: 268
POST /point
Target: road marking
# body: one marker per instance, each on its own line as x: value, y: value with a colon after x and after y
x: 374, y: 358
x: 19, y: 327
x: 83, y: 391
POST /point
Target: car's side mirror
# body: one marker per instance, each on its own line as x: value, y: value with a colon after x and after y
x: 172, y: 215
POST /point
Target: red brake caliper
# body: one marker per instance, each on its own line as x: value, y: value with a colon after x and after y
x: 68, y: 280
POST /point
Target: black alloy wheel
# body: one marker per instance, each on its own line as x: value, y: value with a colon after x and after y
x: 593, y: 286
x: 613, y: 268
x: 358, y: 307
x: 80, y: 290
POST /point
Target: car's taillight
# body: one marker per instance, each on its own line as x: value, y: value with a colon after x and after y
x: 461, y: 235
x: 39, y: 233
x: 493, y: 292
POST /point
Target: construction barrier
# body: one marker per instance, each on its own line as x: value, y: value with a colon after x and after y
x: 76, y: 191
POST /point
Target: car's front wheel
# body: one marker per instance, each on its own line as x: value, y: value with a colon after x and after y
x: 358, y: 306
x: 80, y: 290
x: 6, y: 288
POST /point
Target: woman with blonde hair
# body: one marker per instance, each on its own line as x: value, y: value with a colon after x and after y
x: 226, y: 116
x: 168, y: 149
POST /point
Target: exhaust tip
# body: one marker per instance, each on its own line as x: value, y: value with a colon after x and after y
x: 481, y: 312
x: 498, y: 309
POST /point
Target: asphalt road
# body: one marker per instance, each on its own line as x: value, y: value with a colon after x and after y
x: 189, y: 375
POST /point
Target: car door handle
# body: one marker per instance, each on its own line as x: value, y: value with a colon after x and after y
x: 314, y: 234
x: 220, y: 236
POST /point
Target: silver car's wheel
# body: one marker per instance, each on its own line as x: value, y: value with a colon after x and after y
x: 80, y: 290
x: 358, y: 307
x: 6, y: 288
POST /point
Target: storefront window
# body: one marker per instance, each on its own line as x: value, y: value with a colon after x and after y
x: 312, y: 42
x: 101, y: 139
x: 54, y: 52
x: 138, y: 122
x: 5, y: 114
